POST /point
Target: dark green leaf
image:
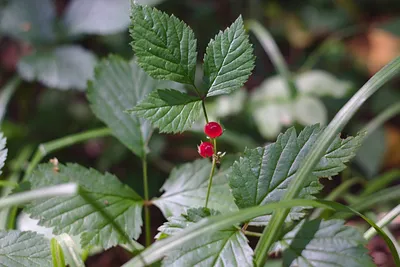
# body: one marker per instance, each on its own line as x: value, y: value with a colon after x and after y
x: 96, y: 16
x: 74, y: 216
x: 186, y: 187
x: 229, y: 60
x: 117, y: 86
x: 65, y: 67
x: 21, y: 249
x: 227, y: 247
x: 29, y: 20
x: 324, y: 243
x: 164, y: 45
x: 3, y: 151
x: 262, y: 175
x: 169, y: 110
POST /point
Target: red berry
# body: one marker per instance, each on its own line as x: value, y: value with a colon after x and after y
x: 206, y: 149
x: 213, y: 129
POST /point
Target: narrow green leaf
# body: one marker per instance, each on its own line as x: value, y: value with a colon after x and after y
x: 57, y: 253
x: 164, y: 45
x: 169, y: 110
x: 65, y: 67
x: 215, y: 223
x: 226, y: 247
x: 263, y: 174
x: 74, y: 216
x: 229, y: 60
x: 3, y: 151
x: 7, y: 91
x: 21, y: 249
x: 70, y: 250
x: 117, y: 86
x: 324, y: 243
x: 186, y: 187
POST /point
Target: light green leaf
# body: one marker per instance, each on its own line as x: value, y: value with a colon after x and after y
x: 72, y: 252
x: 324, y: 243
x: 164, y: 45
x: 96, y: 16
x: 309, y: 110
x: 74, y: 216
x: 262, y: 175
x: 229, y: 60
x: 227, y: 247
x: 21, y: 249
x: 117, y: 86
x: 57, y: 253
x: 186, y: 188
x: 29, y: 20
x: 169, y: 110
x: 65, y: 67
x: 3, y: 151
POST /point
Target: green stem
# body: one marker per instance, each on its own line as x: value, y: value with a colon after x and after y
x: 249, y: 233
x: 386, y: 115
x: 210, y: 180
x: 6, y: 93
x: 390, y: 216
x: 204, y: 110
x: 49, y: 147
x: 146, y: 198
x: 272, y: 230
x: 271, y: 48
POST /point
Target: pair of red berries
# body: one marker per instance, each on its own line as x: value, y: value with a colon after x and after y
x: 212, y: 130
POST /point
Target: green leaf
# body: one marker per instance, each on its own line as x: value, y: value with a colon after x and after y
x: 226, y: 247
x: 186, y: 188
x: 65, y: 67
x: 3, y: 151
x: 72, y: 252
x: 164, y: 45
x: 74, y: 216
x: 215, y: 223
x: 262, y: 175
x: 29, y: 20
x: 57, y: 254
x: 21, y: 249
x: 229, y: 60
x: 169, y: 110
x: 117, y: 86
x: 324, y: 243
x: 96, y: 16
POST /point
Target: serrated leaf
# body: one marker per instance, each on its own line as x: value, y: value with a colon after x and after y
x: 324, y: 243
x: 164, y: 45
x: 74, y: 216
x: 29, y: 20
x: 229, y: 60
x: 263, y: 174
x: 96, y: 16
x: 117, y: 86
x: 3, y: 151
x: 186, y: 188
x: 169, y: 110
x: 227, y: 247
x: 21, y: 249
x: 65, y: 67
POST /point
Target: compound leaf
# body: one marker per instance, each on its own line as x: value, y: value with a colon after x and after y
x: 74, y: 216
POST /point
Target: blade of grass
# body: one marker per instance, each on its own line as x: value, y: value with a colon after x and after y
x: 6, y: 93
x: 384, y: 116
x: 272, y: 231
x: 57, y: 254
x: 71, y: 251
x: 390, y: 216
x: 271, y: 48
x: 211, y: 224
x: 380, y: 182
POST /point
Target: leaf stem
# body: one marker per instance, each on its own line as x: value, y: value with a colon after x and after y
x: 146, y: 198
x: 204, y: 110
x: 49, y: 147
x: 210, y: 179
x: 272, y: 231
